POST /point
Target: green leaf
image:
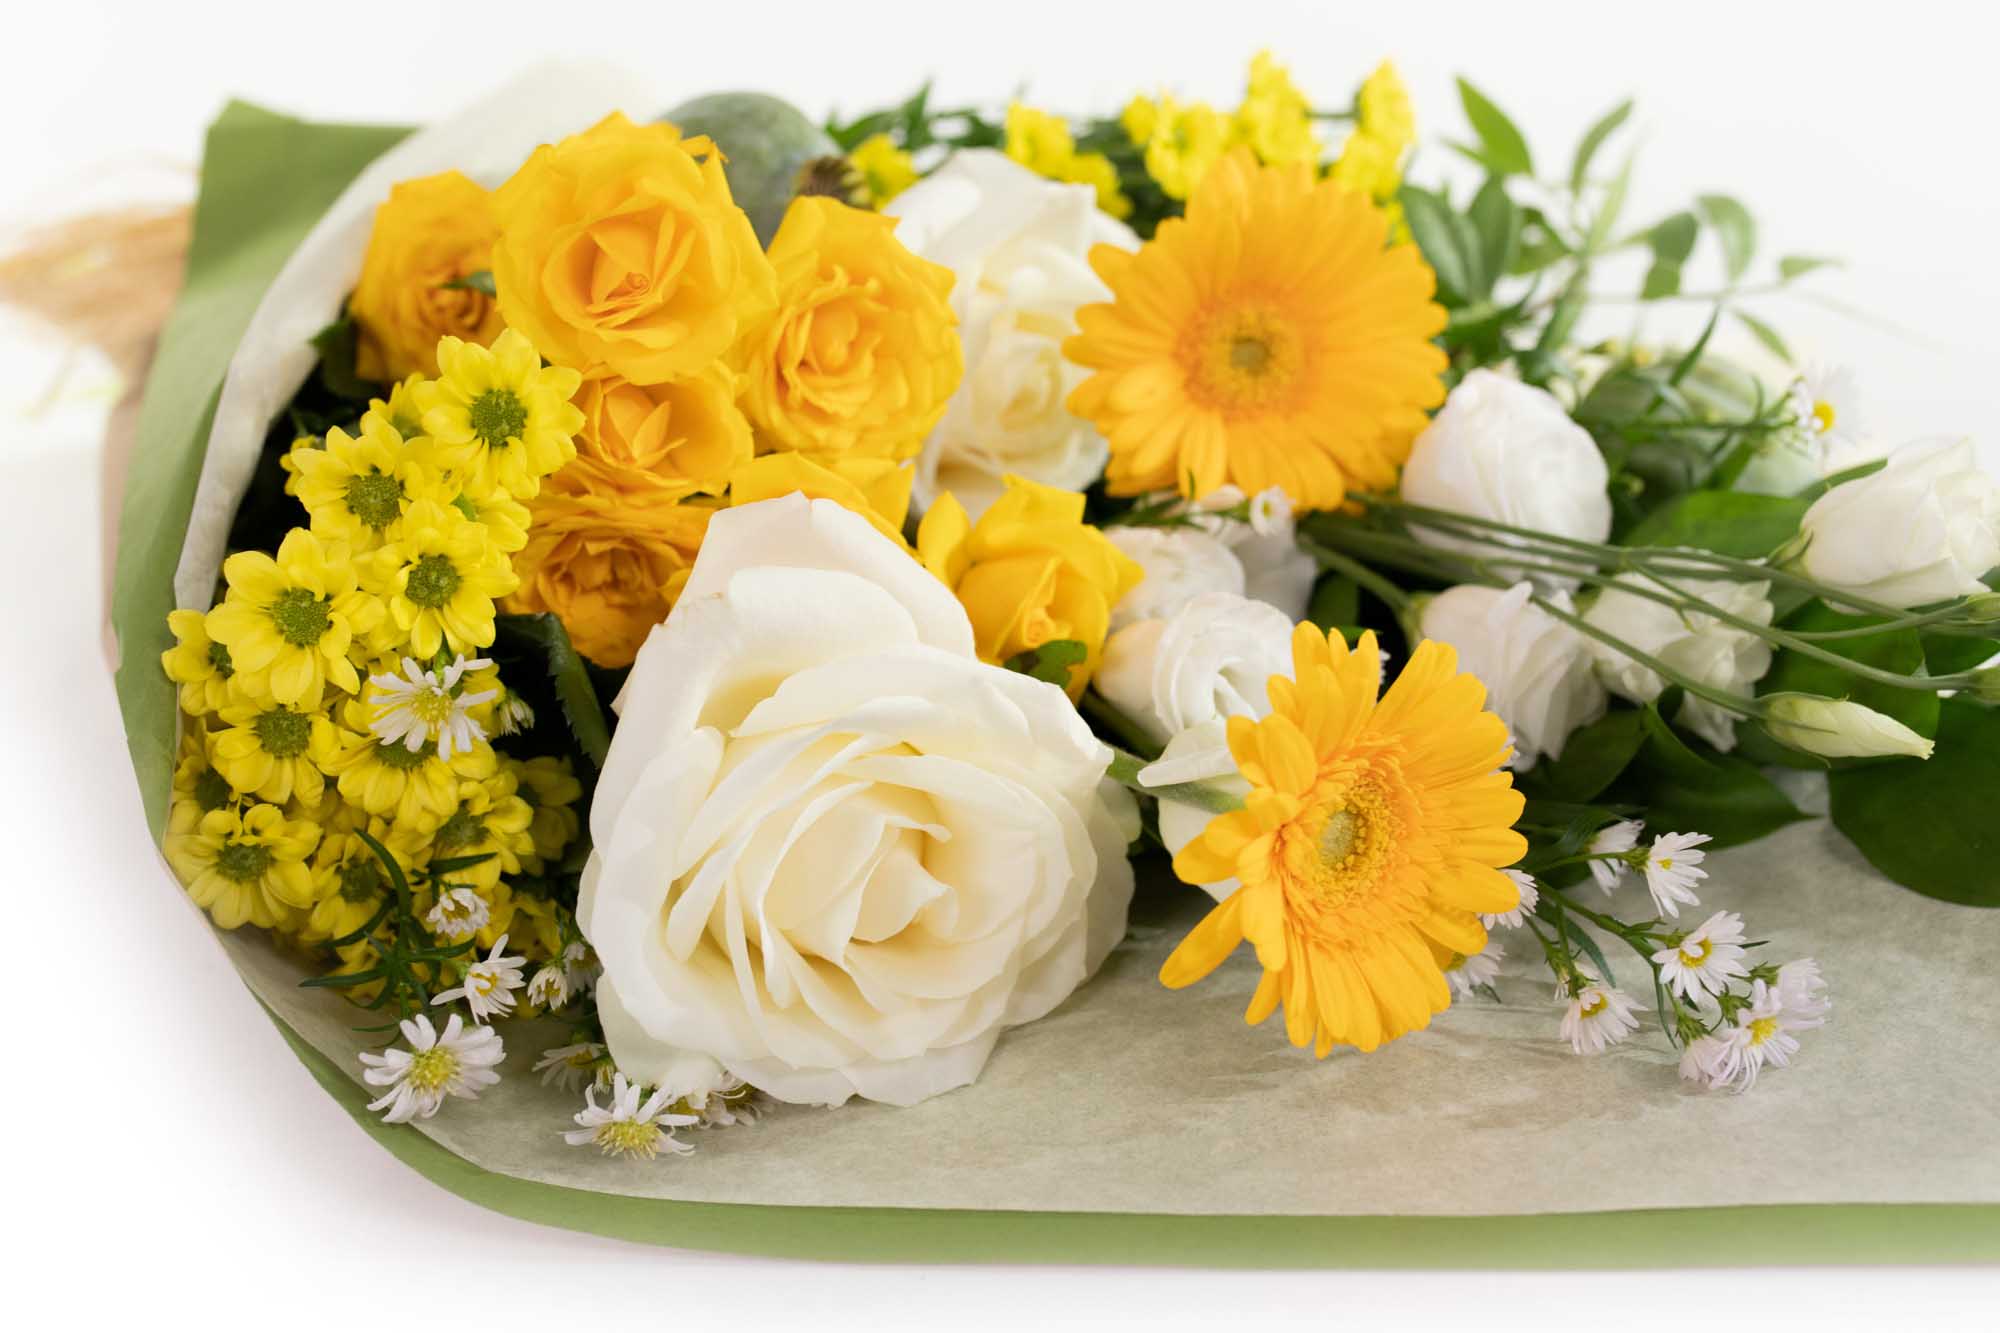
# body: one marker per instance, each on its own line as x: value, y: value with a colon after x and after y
x: 1949, y: 654
x: 1593, y: 139
x: 1430, y: 221
x: 1336, y: 603
x: 1592, y: 758
x: 544, y: 634
x: 1734, y: 227
x: 1684, y: 786
x: 1732, y: 523
x: 1900, y: 651
x: 1672, y: 240
x: 1051, y: 662
x: 1496, y: 224
x: 1502, y: 148
x: 479, y: 281
x: 336, y: 345
x: 1764, y: 334
x: 1928, y: 823
x: 1608, y: 211
x: 1797, y: 266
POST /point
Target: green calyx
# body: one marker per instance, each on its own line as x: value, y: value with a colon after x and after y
x: 244, y: 862
x: 432, y: 581
x: 302, y: 619
x: 376, y: 498
x: 498, y: 416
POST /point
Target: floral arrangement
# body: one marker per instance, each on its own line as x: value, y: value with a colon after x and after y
x: 752, y: 592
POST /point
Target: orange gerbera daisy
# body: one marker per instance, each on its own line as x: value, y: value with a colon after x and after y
x: 1372, y: 834
x: 1270, y: 338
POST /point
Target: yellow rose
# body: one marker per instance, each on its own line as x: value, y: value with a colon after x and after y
x: 686, y: 433
x: 608, y: 552
x: 878, y: 489
x: 429, y: 233
x: 861, y: 355
x: 1030, y: 572
x: 622, y: 247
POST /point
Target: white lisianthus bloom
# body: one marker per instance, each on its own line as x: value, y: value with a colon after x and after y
x: 1694, y: 643
x: 835, y: 853
x: 1180, y: 564
x: 1275, y: 570
x: 1018, y: 245
x: 1539, y: 673
x: 1506, y: 451
x: 1839, y: 728
x: 1926, y: 528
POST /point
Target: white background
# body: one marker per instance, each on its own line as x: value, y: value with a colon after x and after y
x: 164, y: 1153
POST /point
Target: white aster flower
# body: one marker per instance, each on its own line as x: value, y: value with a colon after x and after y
x: 1530, y: 895
x: 1706, y: 960
x: 1597, y: 1017
x: 1468, y: 973
x: 570, y: 1067
x: 1607, y: 851
x: 1701, y: 1061
x: 1673, y: 868
x: 550, y: 988
x: 489, y: 984
x: 420, y: 706
x: 512, y: 715
x: 458, y: 914
x: 457, y: 1063
x: 1827, y: 401
x: 734, y: 1105
x: 1802, y: 990
x: 1762, y: 1035
x: 626, y: 1128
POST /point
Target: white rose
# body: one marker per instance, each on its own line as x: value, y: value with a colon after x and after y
x: 1926, y: 528
x: 1275, y: 570
x: 1506, y: 451
x: 1180, y: 564
x: 1018, y: 245
x: 1211, y: 659
x: 1697, y: 645
x: 834, y: 852
x: 1537, y: 670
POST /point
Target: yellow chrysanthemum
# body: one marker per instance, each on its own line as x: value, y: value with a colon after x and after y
x: 1383, y: 108
x: 548, y: 784
x: 273, y: 752
x: 1030, y: 572
x: 531, y: 923
x: 400, y: 411
x: 487, y: 819
x: 878, y: 489
x: 886, y: 170
x: 1044, y: 145
x: 861, y: 355
x: 1097, y: 171
x: 245, y: 866
x: 412, y: 788
x: 288, y: 621
x: 1138, y: 118
x: 349, y: 881
x: 1275, y: 119
x: 356, y: 486
x: 1368, y: 164
x: 1269, y: 338
x: 1187, y: 140
x: 197, y: 663
x: 498, y: 418
x: 1372, y: 835
x: 438, y: 575
x: 198, y: 787
x: 505, y: 519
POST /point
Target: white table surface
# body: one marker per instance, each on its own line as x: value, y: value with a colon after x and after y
x: 163, y: 1149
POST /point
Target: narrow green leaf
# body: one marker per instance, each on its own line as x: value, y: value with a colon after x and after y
x: 1504, y: 148
x: 1672, y: 240
x: 1734, y: 227
x: 1764, y: 334
x: 571, y: 678
x: 1593, y: 139
x: 1797, y: 266
x: 1609, y: 208
x: 1430, y: 221
x: 1496, y: 222
x: 1336, y: 602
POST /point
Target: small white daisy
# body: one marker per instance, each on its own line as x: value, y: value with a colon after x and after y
x: 1468, y: 973
x: 734, y: 1105
x: 1607, y: 851
x: 1762, y: 1035
x: 1530, y: 895
x: 458, y: 914
x: 1802, y: 990
x: 489, y: 984
x: 626, y: 1128
x: 1706, y: 960
x: 550, y: 988
x: 1827, y: 402
x: 1597, y: 1017
x: 570, y: 1067
x: 1673, y: 868
x: 420, y: 706
x: 580, y: 966
x: 513, y: 715
x: 457, y: 1063
x: 1701, y: 1061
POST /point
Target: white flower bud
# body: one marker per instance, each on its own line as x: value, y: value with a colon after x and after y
x: 1839, y: 728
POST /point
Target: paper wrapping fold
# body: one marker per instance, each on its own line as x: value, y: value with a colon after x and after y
x: 1132, y: 1098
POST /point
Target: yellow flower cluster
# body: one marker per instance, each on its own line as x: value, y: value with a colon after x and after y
x: 336, y: 689
x: 886, y: 170
x: 1043, y: 143
x: 622, y: 254
x: 1182, y: 140
x: 1385, y: 129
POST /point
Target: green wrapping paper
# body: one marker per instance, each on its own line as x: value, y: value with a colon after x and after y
x: 1920, y: 1187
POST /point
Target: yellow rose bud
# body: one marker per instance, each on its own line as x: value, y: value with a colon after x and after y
x: 687, y: 433
x: 878, y: 489
x: 861, y: 355
x: 1030, y: 572
x: 622, y: 247
x: 428, y: 234
x: 608, y: 552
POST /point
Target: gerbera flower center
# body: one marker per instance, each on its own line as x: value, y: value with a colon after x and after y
x: 375, y: 498
x: 1242, y: 359
x: 244, y: 862
x: 1349, y: 838
x: 497, y: 417
x: 432, y: 582
x: 433, y: 1070
x: 302, y: 619
x: 283, y: 732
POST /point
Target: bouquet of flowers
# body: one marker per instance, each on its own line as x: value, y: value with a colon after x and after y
x: 716, y: 610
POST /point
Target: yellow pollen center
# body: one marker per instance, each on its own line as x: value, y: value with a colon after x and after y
x: 1762, y: 1030
x: 432, y: 706
x: 432, y: 1070
x: 1596, y: 1006
x: 628, y: 1136
x: 1696, y: 952
x: 483, y: 982
x: 1822, y: 415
